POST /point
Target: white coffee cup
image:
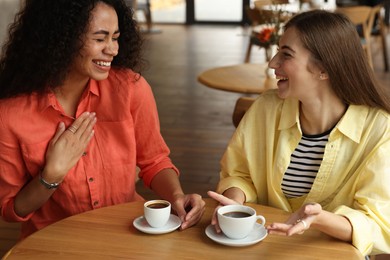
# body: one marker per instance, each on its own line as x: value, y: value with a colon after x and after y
x: 157, y: 212
x: 237, y: 221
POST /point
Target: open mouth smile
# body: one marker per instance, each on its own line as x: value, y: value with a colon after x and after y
x: 103, y: 63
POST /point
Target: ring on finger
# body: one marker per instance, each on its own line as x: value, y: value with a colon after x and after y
x: 303, y: 223
x: 72, y: 129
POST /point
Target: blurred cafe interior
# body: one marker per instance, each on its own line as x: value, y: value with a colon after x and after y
x: 185, y: 42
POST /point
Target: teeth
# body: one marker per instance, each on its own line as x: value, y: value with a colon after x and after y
x: 282, y: 78
x: 103, y: 63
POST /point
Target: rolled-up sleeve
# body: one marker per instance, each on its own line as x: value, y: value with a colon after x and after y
x: 12, y: 170
x: 370, y: 215
x: 235, y: 171
x: 152, y: 151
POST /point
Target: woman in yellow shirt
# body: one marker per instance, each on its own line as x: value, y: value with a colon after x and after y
x: 317, y: 146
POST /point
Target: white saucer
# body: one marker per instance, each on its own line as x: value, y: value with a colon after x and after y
x: 141, y: 224
x: 257, y: 234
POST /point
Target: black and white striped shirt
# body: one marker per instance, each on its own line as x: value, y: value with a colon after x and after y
x: 304, y: 165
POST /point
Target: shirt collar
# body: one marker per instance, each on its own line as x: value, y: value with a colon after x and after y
x: 49, y: 99
x: 45, y: 100
x: 94, y: 87
x: 290, y: 114
x: 351, y: 124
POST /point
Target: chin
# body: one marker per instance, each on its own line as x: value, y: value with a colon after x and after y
x: 100, y: 76
x: 283, y: 94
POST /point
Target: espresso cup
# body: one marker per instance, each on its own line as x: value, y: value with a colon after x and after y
x: 237, y: 221
x: 157, y: 212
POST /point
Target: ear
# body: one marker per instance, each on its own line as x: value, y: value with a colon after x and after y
x: 323, y: 75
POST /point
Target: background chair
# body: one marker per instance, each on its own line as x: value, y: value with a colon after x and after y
x: 242, y: 105
x: 143, y: 6
x: 260, y: 4
x: 361, y: 17
x: 9, y: 235
x: 364, y: 18
x: 380, y: 14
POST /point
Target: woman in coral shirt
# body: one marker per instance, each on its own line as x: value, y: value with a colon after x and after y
x: 77, y: 118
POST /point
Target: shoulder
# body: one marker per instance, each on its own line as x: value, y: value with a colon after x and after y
x: 125, y: 80
x: 268, y: 98
x: 365, y: 123
x: 17, y: 110
x: 18, y: 104
x: 269, y: 103
x: 266, y: 108
x: 127, y: 84
x: 370, y: 115
x: 379, y: 119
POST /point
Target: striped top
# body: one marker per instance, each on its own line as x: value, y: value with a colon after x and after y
x: 304, y: 165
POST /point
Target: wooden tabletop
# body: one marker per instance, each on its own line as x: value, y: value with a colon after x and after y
x: 247, y: 78
x: 108, y: 233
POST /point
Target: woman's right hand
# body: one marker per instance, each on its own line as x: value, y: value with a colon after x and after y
x: 223, y: 201
x: 67, y: 147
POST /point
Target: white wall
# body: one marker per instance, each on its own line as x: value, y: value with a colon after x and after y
x: 8, y: 9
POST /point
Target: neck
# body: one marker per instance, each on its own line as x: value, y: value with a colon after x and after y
x: 319, y: 118
x: 69, y: 95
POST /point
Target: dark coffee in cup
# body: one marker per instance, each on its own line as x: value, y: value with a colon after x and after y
x: 238, y: 221
x: 158, y: 205
x: 237, y: 214
x: 157, y: 212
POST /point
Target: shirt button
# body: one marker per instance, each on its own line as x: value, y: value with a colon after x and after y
x: 95, y: 203
x: 84, y: 153
x: 90, y: 179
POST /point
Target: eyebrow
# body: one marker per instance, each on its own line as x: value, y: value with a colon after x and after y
x: 105, y: 32
x: 287, y: 47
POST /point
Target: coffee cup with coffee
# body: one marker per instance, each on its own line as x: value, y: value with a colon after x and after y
x: 237, y: 221
x: 157, y: 212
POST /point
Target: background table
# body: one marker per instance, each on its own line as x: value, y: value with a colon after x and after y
x: 244, y: 78
x: 247, y: 78
x: 108, y: 233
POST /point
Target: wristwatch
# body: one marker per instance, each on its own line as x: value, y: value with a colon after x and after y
x: 48, y: 185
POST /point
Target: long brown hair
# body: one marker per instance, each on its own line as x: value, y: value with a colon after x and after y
x: 335, y: 45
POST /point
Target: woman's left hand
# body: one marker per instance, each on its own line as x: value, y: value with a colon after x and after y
x: 189, y: 208
x: 298, y: 222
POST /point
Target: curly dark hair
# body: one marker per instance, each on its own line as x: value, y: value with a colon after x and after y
x: 45, y: 38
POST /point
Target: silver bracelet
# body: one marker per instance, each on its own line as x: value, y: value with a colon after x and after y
x: 48, y: 185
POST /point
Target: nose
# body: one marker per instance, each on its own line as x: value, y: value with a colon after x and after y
x: 112, y: 48
x: 274, y: 62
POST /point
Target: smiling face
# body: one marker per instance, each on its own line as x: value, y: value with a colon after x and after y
x: 100, y: 45
x: 298, y: 75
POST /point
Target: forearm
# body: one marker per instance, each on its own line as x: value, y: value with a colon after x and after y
x: 235, y: 194
x: 31, y: 197
x: 334, y: 225
x: 166, y: 184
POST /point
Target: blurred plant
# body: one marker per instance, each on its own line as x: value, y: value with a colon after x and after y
x: 270, y: 31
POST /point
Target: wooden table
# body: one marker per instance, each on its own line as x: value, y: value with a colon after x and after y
x: 244, y: 78
x: 108, y: 233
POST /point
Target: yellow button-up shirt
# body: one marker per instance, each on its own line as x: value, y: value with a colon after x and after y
x: 353, y: 179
